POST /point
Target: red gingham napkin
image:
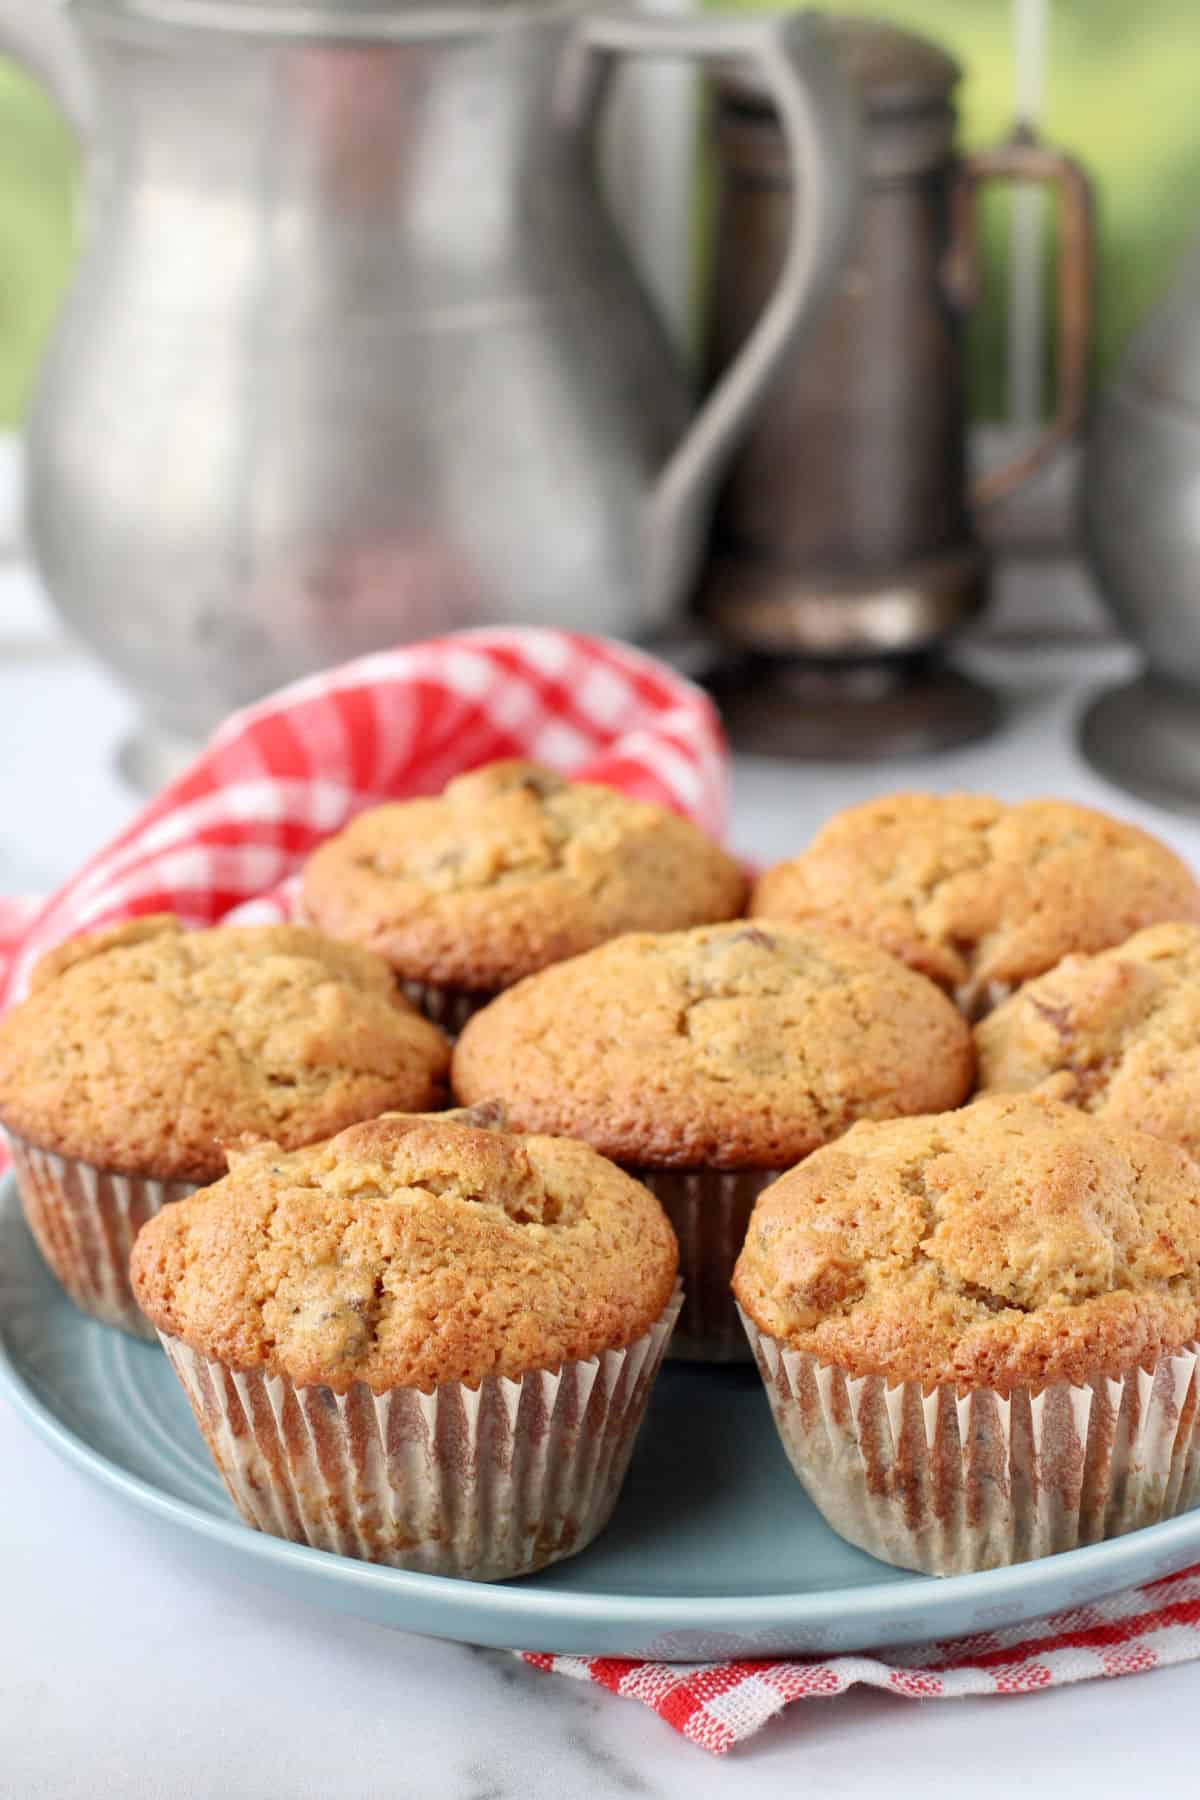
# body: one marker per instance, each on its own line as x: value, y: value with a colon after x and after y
x: 17, y: 913
x: 282, y: 775
x: 718, y: 1705
x: 279, y: 777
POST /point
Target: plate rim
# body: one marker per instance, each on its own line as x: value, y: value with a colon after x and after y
x: 1151, y: 1553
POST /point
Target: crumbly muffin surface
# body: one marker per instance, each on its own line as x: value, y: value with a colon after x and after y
x: 1116, y: 1034
x: 728, y: 1046
x: 512, y: 868
x: 1016, y: 1242
x: 145, y: 1048
x: 978, y: 895
x: 409, y: 1253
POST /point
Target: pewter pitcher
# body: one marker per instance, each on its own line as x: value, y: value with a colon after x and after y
x: 353, y: 353
x: 1141, y: 522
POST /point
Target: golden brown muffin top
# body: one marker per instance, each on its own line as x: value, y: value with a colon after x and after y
x: 1117, y: 1034
x: 727, y: 1046
x: 408, y: 1253
x: 1012, y: 1244
x: 512, y: 868
x: 145, y: 1048
x: 979, y: 895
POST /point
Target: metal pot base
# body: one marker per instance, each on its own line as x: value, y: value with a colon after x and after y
x: 1145, y: 737
x: 148, y: 758
x: 853, y: 713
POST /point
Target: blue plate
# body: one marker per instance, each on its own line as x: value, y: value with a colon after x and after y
x: 714, y: 1550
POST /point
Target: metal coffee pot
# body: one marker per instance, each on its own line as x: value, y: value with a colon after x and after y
x: 353, y: 352
x: 845, y: 547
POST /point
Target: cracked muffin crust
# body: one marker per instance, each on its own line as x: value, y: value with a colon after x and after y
x: 510, y: 869
x: 409, y: 1253
x: 144, y: 1049
x: 978, y: 895
x: 1014, y: 1243
x: 725, y: 1047
x: 1116, y: 1034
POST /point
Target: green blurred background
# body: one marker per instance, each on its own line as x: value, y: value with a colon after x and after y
x: 1121, y: 94
x: 37, y: 180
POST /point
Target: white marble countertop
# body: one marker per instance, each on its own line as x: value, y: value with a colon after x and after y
x: 127, y: 1674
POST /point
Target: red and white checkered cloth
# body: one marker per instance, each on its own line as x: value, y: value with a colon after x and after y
x: 17, y: 913
x: 718, y: 1705
x: 230, y: 833
x: 282, y: 775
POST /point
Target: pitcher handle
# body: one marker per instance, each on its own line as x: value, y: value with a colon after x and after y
x: 1023, y: 159
x: 795, y: 56
x: 40, y: 36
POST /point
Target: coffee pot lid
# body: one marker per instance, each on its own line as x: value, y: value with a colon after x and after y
x: 894, y: 70
x: 905, y: 85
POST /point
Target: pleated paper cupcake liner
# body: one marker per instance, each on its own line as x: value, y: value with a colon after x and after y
x: 948, y: 1483
x: 710, y: 1210
x: 85, y: 1220
x: 484, y: 1482
x: 445, y: 1006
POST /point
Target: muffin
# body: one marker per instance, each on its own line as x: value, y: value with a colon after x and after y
x: 419, y: 1343
x: 705, y: 1061
x: 1116, y: 1034
x: 977, y: 895
x: 142, y: 1050
x: 977, y: 1332
x: 508, y: 870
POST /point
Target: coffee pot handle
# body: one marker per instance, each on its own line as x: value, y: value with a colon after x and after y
x: 1023, y: 159
x: 796, y: 60
x: 41, y: 37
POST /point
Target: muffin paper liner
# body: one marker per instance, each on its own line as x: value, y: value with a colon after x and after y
x: 445, y: 1006
x: 710, y: 1210
x: 484, y: 1482
x: 947, y: 1483
x: 85, y: 1220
